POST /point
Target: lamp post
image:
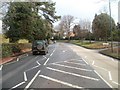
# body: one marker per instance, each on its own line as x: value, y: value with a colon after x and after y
x: 111, y: 27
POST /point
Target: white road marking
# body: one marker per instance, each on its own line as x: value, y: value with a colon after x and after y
x: 112, y: 59
x: 103, y: 79
x: 75, y: 60
x: 115, y: 83
x: 46, y: 61
x: 109, y: 73
x: 51, y: 54
x: 110, y: 77
x: 71, y: 67
x: 93, y: 62
x: 1, y: 66
x: 17, y: 85
x: 67, y: 60
x: 84, y: 61
x: 38, y: 63
x: 36, y: 57
x: 44, y: 56
x: 63, y: 51
x: 17, y: 59
x: 61, y: 82
x: 32, y: 68
x: 25, y: 76
x: 101, y: 68
x: 86, y: 77
x: 33, y: 79
x: 79, y: 59
x: 75, y: 63
x: 54, y: 51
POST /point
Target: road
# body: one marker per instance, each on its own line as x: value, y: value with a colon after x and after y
x: 65, y: 66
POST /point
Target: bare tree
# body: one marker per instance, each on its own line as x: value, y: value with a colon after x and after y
x: 85, y: 29
x: 66, y: 23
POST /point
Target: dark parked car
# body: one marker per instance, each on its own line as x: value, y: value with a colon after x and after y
x: 39, y: 47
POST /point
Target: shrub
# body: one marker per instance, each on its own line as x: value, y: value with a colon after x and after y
x: 9, y: 49
x: 6, y: 50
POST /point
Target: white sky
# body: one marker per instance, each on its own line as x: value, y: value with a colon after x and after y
x: 85, y: 9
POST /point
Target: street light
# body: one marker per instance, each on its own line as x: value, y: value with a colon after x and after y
x: 111, y: 26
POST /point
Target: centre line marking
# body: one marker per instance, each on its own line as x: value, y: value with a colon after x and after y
x: 25, y: 76
x: 61, y: 82
x: 32, y: 79
x: 46, y: 61
x: 110, y: 77
x: 57, y: 70
x: 71, y: 67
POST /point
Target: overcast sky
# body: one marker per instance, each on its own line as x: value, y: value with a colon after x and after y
x: 86, y: 9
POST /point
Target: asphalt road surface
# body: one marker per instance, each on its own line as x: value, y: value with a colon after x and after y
x: 65, y: 66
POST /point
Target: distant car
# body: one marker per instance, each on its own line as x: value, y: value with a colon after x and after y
x: 39, y: 47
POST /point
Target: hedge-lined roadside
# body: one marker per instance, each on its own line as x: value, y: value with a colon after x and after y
x: 9, y: 49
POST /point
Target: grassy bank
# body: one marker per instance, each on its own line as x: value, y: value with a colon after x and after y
x: 114, y: 54
x: 96, y: 45
x: 87, y: 44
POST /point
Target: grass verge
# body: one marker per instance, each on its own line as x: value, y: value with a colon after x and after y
x: 97, y: 45
x: 115, y: 54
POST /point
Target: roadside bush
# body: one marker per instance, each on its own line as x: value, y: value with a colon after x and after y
x: 9, y: 49
x: 6, y: 50
x: 15, y: 49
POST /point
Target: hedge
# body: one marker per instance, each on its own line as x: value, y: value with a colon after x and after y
x: 8, y: 49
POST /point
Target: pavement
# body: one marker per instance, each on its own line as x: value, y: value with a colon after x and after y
x: 65, y: 66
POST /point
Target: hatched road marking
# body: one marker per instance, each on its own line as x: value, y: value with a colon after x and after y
x: 71, y: 67
x: 33, y: 79
x: 61, y: 71
x: 61, y: 82
x: 75, y: 63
